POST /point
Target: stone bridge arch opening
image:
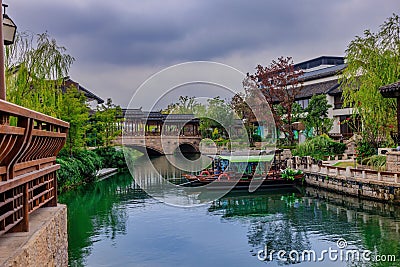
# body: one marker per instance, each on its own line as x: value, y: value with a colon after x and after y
x: 188, y: 150
x: 147, y: 150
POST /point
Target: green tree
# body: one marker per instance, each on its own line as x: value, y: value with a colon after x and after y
x: 185, y: 105
x: 104, y: 126
x: 75, y: 110
x: 317, y: 115
x: 219, y: 115
x: 373, y: 61
x: 35, y: 66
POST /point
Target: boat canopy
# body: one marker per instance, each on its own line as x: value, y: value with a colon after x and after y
x: 260, y: 158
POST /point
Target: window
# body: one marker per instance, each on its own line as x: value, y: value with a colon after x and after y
x: 338, y: 101
x: 349, y: 125
x: 303, y: 102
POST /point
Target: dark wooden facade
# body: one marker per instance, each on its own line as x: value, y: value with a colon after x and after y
x: 142, y: 123
x: 393, y: 91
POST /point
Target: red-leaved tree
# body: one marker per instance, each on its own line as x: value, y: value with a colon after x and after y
x: 280, y: 84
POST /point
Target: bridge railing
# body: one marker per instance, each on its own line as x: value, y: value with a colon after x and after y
x: 29, y: 144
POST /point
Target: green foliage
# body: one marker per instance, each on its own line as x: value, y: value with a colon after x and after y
x: 256, y: 138
x: 373, y: 61
x: 290, y: 174
x: 103, y: 128
x: 280, y: 83
x: 216, y: 118
x: 76, y: 112
x: 35, y: 66
x: 364, y: 150
x: 83, y: 166
x: 91, y: 163
x: 319, y: 147
x: 111, y: 157
x: 185, y: 105
x: 77, y: 170
x: 317, y: 115
x: 378, y: 162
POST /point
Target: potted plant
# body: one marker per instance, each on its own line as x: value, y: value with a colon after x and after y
x: 291, y: 174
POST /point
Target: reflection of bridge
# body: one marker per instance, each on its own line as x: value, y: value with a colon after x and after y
x: 159, y: 134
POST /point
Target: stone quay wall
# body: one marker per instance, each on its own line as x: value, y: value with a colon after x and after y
x: 46, y: 243
x: 367, y: 189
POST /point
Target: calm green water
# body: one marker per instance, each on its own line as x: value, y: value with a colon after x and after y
x: 114, y: 223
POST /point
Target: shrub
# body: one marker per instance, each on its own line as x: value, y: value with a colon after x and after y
x: 377, y: 162
x: 364, y: 150
x: 256, y: 138
x: 69, y: 173
x: 111, y: 157
x: 91, y: 163
x: 80, y: 168
x: 319, y: 147
x: 289, y: 173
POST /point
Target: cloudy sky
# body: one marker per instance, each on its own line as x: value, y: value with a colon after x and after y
x: 119, y: 44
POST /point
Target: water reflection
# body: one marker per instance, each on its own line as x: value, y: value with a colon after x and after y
x: 114, y: 223
x: 294, y: 220
x: 96, y: 210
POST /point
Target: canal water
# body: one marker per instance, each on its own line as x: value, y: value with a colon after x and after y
x: 114, y: 223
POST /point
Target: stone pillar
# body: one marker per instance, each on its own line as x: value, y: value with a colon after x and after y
x: 393, y: 161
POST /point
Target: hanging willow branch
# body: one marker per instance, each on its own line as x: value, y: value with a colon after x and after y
x: 373, y: 61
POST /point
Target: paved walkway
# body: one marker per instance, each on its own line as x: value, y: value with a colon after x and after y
x: 105, y: 173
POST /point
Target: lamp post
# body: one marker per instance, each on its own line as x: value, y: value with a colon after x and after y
x: 7, y: 34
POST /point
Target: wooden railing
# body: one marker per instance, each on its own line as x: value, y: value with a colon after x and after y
x: 29, y: 144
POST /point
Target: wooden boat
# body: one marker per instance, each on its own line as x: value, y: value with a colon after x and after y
x: 240, y: 172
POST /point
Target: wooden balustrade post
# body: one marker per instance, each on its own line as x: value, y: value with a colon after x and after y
x: 25, y: 221
x: 23, y: 225
x: 53, y: 202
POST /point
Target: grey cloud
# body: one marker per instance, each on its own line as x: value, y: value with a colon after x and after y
x: 153, y: 34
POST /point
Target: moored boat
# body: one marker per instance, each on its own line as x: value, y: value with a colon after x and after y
x: 240, y: 172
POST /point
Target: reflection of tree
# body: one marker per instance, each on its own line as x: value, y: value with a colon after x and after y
x: 95, y: 209
x: 270, y: 216
x: 286, y: 220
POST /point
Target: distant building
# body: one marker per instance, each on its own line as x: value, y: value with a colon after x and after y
x: 91, y: 99
x: 321, y: 77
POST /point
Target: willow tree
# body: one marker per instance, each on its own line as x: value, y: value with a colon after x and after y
x: 35, y: 68
x: 373, y: 60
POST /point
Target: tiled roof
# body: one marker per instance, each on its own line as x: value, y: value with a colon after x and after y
x: 158, y: 116
x: 322, y: 73
x: 68, y: 82
x: 318, y: 88
x: 391, y: 90
x: 322, y: 60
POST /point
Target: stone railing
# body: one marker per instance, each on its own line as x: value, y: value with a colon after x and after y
x: 309, y: 165
x: 363, y: 183
x: 29, y: 144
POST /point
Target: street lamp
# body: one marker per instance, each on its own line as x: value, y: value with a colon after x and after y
x: 9, y: 28
x: 7, y: 33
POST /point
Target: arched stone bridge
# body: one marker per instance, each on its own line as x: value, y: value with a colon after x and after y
x: 159, y: 134
x: 165, y: 145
